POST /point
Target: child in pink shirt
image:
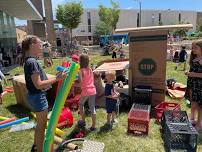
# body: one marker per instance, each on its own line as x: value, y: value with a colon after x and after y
x: 88, y: 89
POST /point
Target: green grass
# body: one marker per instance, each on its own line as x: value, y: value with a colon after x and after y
x: 116, y: 140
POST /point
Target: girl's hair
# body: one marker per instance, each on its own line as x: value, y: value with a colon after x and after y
x: 96, y: 75
x: 28, y: 40
x: 110, y: 74
x: 84, y: 61
x: 193, y: 56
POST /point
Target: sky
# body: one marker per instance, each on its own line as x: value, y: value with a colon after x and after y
x: 194, y: 5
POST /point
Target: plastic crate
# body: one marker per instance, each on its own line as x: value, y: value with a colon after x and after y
x: 165, y: 106
x: 138, y: 119
x: 180, y: 136
x: 142, y: 94
x: 173, y: 116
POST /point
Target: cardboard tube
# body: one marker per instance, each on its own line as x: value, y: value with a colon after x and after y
x: 57, y: 140
x: 71, y: 146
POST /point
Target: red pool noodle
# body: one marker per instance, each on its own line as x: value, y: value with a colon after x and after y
x: 7, y: 120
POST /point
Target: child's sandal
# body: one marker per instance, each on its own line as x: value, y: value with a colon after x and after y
x: 34, y: 148
x: 193, y: 122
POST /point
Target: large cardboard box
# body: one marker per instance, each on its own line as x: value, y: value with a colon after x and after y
x: 20, y: 91
x: 147, y: 52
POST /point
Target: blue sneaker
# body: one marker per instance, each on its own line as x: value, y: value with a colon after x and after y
x: 81, y: 123
x: 92, y: 129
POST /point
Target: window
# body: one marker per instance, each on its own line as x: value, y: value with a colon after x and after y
x: 88, y: 15
x: 160, y: 22
x: 89, y: 21
x: 138, y: 19
x: 179, y: 18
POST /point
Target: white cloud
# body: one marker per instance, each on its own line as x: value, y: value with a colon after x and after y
x: 129, y: 8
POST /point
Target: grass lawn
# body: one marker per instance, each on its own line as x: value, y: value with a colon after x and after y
x: 116, y: 140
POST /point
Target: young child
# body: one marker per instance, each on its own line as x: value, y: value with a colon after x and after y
x: 111, y: 98
x: 88, y: 90
x: 194, y: 84
x: 37, y: 84
x: 2, y: 77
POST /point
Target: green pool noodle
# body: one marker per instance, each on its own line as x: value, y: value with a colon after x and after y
x: 59, y: 103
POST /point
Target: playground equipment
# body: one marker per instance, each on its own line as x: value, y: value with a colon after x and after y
x: 14, y: 122
x: 59, y: 103
x: 66, y: 118
x: 7, y: 120
x: 21, y: 127
x: 3, y: 118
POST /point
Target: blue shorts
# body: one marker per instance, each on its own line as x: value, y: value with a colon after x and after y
x: 37, y: 102
x: 111, y: 106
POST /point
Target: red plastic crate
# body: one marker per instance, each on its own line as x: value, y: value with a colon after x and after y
x: 138, y: 120
x: 165, y: 106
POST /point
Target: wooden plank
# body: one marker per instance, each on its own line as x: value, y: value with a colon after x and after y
x: 163, y: 27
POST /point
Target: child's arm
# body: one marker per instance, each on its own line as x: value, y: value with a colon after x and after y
x: 3, y: 77
x: 113, y: 95
x: 43, y: 84
x: 195, y: 74
x: 80, y: 78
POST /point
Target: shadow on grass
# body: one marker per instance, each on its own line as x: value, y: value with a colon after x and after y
x: 104, y: 129
x: 19, y: 111
x: 199, y: 138
x: 10, y: 68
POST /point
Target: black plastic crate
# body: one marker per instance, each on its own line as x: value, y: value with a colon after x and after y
x: 142, y: 94
x: 180, y: 136
x: 173, y: 116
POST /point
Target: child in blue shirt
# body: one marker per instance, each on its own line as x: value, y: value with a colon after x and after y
x: 111, y: 98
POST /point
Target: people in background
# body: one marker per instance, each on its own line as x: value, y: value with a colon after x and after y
x: 182, y: 58
x: 47, y: 54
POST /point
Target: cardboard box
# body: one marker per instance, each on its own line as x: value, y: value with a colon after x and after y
x: 20, y: 90
x: 147, y: 51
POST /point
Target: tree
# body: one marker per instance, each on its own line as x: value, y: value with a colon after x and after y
x: 101, y: 29
x: 69, y: 15
x: 110, y: 16
x: 199, y: 26
x: 181, y: 32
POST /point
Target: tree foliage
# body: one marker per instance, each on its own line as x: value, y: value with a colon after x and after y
x: 69, y: 15
x: 181, y: 32
x: 199, y: 26
x: 101, y: 28
x: 110, y: 16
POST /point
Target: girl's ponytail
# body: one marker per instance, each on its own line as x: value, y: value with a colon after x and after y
x: 26, y: 46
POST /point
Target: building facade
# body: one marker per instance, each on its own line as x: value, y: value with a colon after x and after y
x: 8, y: 38
x: 7, y: 33
x: 131, y: 19
x: 21, y: 33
